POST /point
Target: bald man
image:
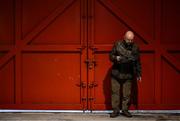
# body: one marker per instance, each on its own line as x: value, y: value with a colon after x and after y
x: 126, y: 70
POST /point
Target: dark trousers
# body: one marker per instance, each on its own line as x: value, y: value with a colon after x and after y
x: 115, y: 94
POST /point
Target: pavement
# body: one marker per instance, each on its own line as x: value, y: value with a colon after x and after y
x: 87, y: 117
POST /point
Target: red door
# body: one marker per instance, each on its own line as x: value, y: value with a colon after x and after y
x: 108, y: 21
x: 43, y: 66
x: 54, y: 54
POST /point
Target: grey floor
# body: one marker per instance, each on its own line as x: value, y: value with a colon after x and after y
x: 86, y: 117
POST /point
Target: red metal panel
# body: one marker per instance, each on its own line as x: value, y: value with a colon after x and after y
x: 102, y: 26
x: 175, y: 55
x: 140, y: 12
x: 7, y: 22
x: 64, y: 30
x: 7, y: 83
x: 34, y: 12
x: 147, y: 88
x: 170, y: 22
x: 51, y: 78
x: 110, y: 28
x: 170, y: 84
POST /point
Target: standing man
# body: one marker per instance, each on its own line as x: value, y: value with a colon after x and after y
x: 125, y: 71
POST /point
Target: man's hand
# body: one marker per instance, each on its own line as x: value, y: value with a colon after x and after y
x: 118, y: 58
x: 139, y: 79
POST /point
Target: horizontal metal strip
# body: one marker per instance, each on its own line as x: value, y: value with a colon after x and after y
x: 89, y: 111
x: 109, y: 47
x: 172, y: 47
x: 52, y: 48
x: 6, y: 47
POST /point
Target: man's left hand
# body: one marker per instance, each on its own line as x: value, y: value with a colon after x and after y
x: 139, y: 79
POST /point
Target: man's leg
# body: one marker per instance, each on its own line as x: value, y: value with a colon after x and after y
x: 126, y: 97
x: 115, y: 97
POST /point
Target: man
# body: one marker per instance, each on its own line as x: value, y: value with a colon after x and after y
x: 126, y: 70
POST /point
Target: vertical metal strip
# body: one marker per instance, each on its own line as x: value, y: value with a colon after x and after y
x: 158, y: 53
x: 83, y: 81
x: 18, y: 35
x: 91, y: 53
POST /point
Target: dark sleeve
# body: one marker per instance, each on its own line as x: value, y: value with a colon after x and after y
x: 112, y: 54
x: 138, y: 63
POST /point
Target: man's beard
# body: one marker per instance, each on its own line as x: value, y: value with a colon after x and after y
x: 129, y: 43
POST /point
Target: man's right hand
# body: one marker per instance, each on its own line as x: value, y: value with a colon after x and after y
x: 118, y: 58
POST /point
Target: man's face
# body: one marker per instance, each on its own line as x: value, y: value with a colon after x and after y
x: 128, y: 41
x: 129, y: 36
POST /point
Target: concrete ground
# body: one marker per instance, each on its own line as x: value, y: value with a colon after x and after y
x: 86, y: 117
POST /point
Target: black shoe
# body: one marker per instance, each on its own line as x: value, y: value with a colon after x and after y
x: 126, y: 113
x: 114, y: 114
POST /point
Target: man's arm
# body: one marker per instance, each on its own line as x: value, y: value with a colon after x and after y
x: 112, y: 55
x: 126, y: 55
x: 118, y: 57
x: 119, y: 54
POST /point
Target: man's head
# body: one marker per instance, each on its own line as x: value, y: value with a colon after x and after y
x: 128, y: 37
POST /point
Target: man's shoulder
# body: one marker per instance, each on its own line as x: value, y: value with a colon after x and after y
x: 118, y: 42
x: 135, y: 47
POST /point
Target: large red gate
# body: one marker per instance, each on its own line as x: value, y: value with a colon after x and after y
x: 55, y: 53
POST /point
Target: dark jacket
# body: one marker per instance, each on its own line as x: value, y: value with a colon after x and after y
x: 129, y: 65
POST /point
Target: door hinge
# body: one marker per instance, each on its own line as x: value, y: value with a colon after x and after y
x: 90, y: 63
x: 91, y: 99
x: 92, y: 84
x: 81, y: 48
x: 94, y: 49
x: 83, y: 98
x: 82, y: 84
